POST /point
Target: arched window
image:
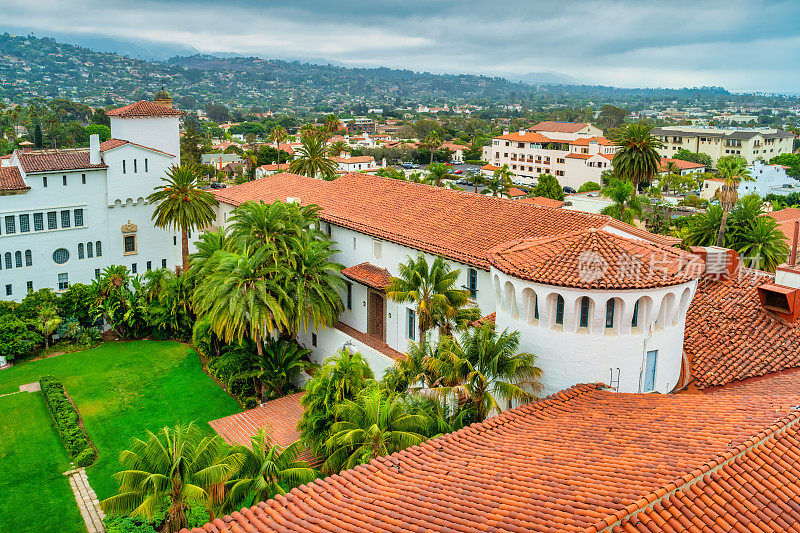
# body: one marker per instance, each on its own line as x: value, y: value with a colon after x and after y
x: 635, y: 317
x: 18, y: 258
x: 9, y: 261
x: 610, y: 308
x: 28, y: 258
x: 98, y: 249
x: 89, y: 250
x: 80, y: 250
x: 584, y: 316
x: 559, y: 309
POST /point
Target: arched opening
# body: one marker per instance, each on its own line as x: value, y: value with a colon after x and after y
x: 510, y: 298
x: 9, y: 260
x: 28, y: 258
x: 498, y: 293
x: 18, y: 258
x: 89, y: 250
x: 683, y: 307
x: 666, y: 310
x: 613, y: 313
x: 556, y: 309
x: 641, y: 314
x: 80, y: 250
x: 585, y: 311
x: 530, y: 306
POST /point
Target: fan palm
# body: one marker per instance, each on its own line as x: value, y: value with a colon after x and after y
x: 267, y: 470
x: 762, y: 244
x: 432, y: 288
x: 180, y: 203
x: 496, y: 186
x: 312, y: 158
x: 177, y: 464
x: 637, y: 160
x: 626, y: 207
x: 369, y: 427
x: 732, y: 169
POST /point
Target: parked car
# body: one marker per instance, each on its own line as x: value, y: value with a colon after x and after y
x: 215, y: 185
x: 569, y: 190
x: 459, y: 171
x: 409, y: 165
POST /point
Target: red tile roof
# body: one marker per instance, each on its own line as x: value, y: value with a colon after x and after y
x: 11, y: 180
x: 110, y: 144
x: 730, y: 337
x: 542, y: 201
x: 459, y: 225
x: 369, y: 275
x: 780, y: 383
x: 143, y: 108
x: 680, y: 163
x: 370, y: 340
x: 782, y: 215
x: 54, y: 160
x: 354, y: 159
x: 595, y: 259
x: 560, y: 464
x: 515, y: 192
x: 561, y: 127
x: 573, y: 155
x: 273, y: 167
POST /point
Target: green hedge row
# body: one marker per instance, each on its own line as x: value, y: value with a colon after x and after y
x: 72, y: 434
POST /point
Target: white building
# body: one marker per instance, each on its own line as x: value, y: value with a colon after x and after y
x: 751, y: 144
x: 769, y: 179
x: 572, y: 157
x: 507, y: 252
x: 67, y: 214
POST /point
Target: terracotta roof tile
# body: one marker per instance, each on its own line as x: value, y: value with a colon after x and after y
x: 561, y: 127
x: 680, y: 163
x: 560, y: 464
x: 595, y: 259
x: 116, y: 143
x: 730, y: 337
x: 459, y: 225
x: 143, y: 108
x: 354, y: 159
x: 54, y: 160
x: 542, y: 201
x: 369, y: 275
x: 11, y: 180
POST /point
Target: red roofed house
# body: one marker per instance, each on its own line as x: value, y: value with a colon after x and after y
x: 684, y: 167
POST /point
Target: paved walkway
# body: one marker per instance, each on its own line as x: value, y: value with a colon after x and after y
x: 87, y: 500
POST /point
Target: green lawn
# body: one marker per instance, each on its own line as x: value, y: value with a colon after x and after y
x: 122, y: 389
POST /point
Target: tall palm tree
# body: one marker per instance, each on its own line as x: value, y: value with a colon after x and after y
x: 432, y: 288
x: 369, y: 427
x: 762, y: 244
x: 704, y: 227
x: 275, y: 224
x: 267, y: 470
x: 202, y: 261
x: 432, y: 142
x: 177, y: 464
x: 331, y: 125
x: 180, y: 203
x: 278, y: 135
x: 312, y: 158
x: 637, y: 160
x: 626, y: 206
x: 733, y: 170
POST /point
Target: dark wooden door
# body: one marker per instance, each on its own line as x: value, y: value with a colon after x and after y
x: 377, y: 316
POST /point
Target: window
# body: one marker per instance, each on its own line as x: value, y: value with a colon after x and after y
x: 80, y: 250
x: 38, y: 221
x: 412, y: 324
x: 29, y: 286
x: 133, y: 268
x: 472, y: 282
x: 650, y: 371
x: 536, y: 307
x: 635, y: 317
x: 79, y: 217
x: 63, y: 282
x: 18, y: 259
x: 174, y: 240
x: 354, y: 243
x: 559, y: 309
x: 349, y: 296
x: 9, y: 260
x: 135, y: 169
x: 163, y: 263
x: 44, y: 181
x: 83, y: 179
x: 64, y: 180
x: 28, y: 258
x: 145, y: 164
x: 11, y: 224
x: 8, y: 289
x: 584, y: 318
x: 97, y: 273
x: 610, y: 314
x: 52, y: 220
x: 65, y: 220
x: 89, y: 250
x: 314, y: 340
x: 24, y: 223
x: 149, y: 266
x: 61, y: 256
x: 124, y: 170
x: 128, y: 244
x: 98, y: 250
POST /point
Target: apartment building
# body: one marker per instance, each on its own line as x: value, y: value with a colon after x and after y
x: 751, y: 144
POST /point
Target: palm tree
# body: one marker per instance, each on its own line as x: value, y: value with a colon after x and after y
x: 626, y: 206
x: 369, y: 427
x: 496, y: 186
x: 337, y: 148
x: 432, y: 142
x: 210, y: 242
x: 275, y: 224
x: 274, y: 370
x: 179, y: 465
x: 637, y: 160
x: 762, y: 244
x: 732, y: 169
x: 46, y: 322
x: 278, y: 135
x: 267, y: 470
x: 437, y: 172
x: 312, y: 158
x: 331, y: 125
x: 182, y: 204
x: 704, y: 227
x: 477, y: 180
x: 672, y: 177
x: 432, y: 288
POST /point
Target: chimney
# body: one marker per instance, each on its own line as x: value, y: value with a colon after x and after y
x: 94, y: 149
x: 720, y: 263
x: 782, y: 298
x: 522, y: 132
x: 505, y: 132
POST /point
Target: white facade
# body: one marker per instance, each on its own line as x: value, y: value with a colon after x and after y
x: 73, y: 223
x: 751, y: 144
x: 768, y: 179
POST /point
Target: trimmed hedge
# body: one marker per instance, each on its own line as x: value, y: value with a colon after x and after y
x: 72, y: 434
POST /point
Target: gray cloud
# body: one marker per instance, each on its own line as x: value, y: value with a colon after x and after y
x: 752, y: 45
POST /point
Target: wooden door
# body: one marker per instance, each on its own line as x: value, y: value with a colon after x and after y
x: 377, y: 316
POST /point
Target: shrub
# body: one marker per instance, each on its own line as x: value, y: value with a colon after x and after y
x: 250, y: 402
x: 590, y: 186
x: 476, y: 162
x: 67, y: 421
x: 126, y: 524
x: 16, y: 337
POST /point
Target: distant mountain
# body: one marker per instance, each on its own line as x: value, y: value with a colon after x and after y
x: 544, y: 78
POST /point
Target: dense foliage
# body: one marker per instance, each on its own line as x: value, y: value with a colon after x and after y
x: 67, y: 421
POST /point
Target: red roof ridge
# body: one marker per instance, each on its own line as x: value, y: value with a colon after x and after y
x: 368, y: 274
x: 697, y: 474
x: 143, y: 108
x: 113, y: 143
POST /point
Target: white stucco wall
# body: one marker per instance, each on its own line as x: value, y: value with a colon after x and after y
x: 160, y: 133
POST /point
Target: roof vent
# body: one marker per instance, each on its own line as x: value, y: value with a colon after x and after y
x: 783, y: 296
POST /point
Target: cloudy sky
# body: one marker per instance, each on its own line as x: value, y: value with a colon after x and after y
x: 739, y: 44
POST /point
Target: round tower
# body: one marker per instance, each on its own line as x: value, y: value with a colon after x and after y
x: 163, y: 97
